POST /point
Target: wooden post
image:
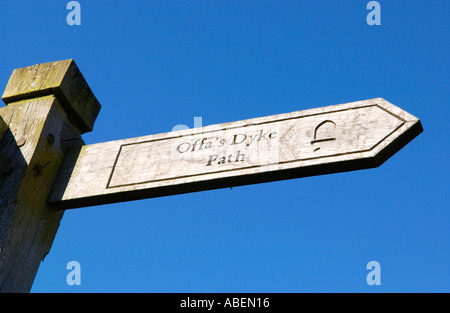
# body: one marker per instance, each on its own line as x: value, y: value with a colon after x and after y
x: 48, y: 107
x: 3, y: 128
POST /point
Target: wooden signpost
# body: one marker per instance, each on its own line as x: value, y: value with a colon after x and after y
x: 46, y: 168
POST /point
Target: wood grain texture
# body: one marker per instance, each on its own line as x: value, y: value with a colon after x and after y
x: 62, y: 79
x: 3, y: 128
x: 37, y: 126
x: 332, y: 139
x: 30, y: 163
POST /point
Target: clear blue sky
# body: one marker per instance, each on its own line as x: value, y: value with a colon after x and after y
x: 156, y: 64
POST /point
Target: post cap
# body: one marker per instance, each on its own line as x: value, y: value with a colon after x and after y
x: 62, y: 79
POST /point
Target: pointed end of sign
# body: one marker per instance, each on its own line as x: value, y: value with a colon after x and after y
x: 409, y: 129
x: 401, y: 142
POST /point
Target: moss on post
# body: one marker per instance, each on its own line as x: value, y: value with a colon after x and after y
x: 49, y: 106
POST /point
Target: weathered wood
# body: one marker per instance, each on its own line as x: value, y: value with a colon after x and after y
x: 44, y: 164
x: 319, y: 141
x: 3, y: 128
x: 62, y: 79
x: 31, y: 152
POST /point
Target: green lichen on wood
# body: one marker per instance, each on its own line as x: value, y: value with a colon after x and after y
x: 62, y: 79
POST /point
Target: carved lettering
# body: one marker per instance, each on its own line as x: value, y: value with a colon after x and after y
x: 323, y: 132
x: 239, y: 139
x: 281, y: 142
x: 231, y: 158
